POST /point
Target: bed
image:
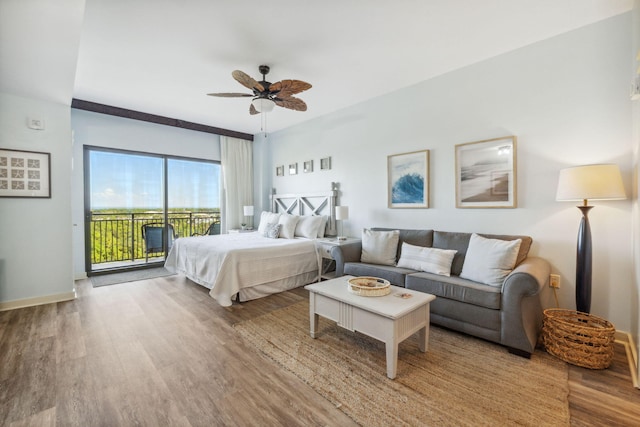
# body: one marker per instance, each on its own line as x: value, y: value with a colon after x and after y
x: 248, y: 265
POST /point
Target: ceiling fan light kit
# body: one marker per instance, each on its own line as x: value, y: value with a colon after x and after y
x: 263, y: 105
x: 267, y: 95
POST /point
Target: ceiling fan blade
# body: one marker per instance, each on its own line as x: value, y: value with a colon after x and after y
x: 291, y: 103
x: 252, y: 110
x: 247, y: 81
x: 286, y: 88
x: 231, y: 95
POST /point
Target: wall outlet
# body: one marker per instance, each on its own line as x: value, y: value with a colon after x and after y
x: 554, y: 280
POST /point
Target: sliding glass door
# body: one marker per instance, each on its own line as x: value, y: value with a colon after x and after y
x: 137, y: 204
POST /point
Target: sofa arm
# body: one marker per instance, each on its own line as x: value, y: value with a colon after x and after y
x: 348, y: 252
x: 521, y: 307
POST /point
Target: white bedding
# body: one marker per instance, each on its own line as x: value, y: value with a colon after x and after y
x: 229, y: 263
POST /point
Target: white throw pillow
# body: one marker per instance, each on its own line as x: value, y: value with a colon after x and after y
x: 489, y: 261
x: 323, y: 226
x: 288, y: 222
x: 267, y: 218
x: 307, y: 226
x: 430, y: 260
x: 379, y: 247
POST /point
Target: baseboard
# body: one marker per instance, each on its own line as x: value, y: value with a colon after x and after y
x: 30, y: 302
x: 626, y: 340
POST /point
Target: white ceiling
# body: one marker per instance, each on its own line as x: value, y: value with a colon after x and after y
x: 164, y: 56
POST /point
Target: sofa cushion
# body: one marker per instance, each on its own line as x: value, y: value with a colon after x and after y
x: 413, y: 237
x: 431, y: 260
x: 395, y: 275
x: 460, y: 243
x: 489, y: 261
x: 456, y: 289
x: 379, y: 247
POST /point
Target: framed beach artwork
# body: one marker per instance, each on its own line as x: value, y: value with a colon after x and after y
x: 486, y: 174
x: 280, y: 170
x: 408, y: 180
x: 25, y: 174
x: 293, y: 169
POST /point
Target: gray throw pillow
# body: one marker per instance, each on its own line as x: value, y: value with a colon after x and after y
x: 272, y: 230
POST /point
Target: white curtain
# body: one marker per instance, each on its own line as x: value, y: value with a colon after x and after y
x: 237, y: 180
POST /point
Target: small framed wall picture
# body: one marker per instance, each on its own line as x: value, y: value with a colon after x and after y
x: 280, y: 170
x: 293, y: 169
x: 308, y: 166
x: 325, y: 163
x: 25, y: 174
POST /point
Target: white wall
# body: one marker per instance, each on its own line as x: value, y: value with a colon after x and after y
x: 635, y: 68
x: 35, y: 234
x: 567, y: 101
x: 116, y: 132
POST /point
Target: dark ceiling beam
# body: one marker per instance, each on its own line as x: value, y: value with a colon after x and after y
x: 152, y: 118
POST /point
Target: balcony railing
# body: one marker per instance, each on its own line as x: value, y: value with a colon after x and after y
x: 117, y: 237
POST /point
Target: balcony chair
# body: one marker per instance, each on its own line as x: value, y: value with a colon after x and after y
x: 213, y: 229
x: 153, y: 241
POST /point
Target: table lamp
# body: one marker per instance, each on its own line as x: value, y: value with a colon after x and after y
x: 595, y: 182
x: 248, y: 211
x: 342, y: 213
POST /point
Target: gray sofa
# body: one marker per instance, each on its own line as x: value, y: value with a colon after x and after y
x: 510, y: 315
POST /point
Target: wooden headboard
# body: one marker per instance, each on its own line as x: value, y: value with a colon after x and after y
x: 320, y: 203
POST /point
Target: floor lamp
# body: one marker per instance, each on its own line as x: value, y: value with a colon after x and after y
x: 595, y: 182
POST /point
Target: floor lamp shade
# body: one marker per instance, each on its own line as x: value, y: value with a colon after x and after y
x: 595, y: 182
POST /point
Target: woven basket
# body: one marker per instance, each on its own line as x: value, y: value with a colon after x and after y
x: 578, y: 338
x: 381, y: 288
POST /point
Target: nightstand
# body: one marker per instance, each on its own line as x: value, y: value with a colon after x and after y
x: 324, y: 248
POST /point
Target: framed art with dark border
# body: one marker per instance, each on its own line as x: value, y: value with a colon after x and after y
x: 408, y: 179
x: 25, y: 174
x: 280, y: 170
x: 308, y: 166
x: 486, y: 174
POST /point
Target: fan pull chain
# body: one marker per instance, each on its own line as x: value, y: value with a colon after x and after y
x: 263, y: 123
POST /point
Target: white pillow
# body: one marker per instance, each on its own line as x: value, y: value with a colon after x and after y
x: 307, y: 226
x: 267, y: 218
x: 430, y: 260
x: 288, y: 222
x: 379, y: 247
x: 489, y: 261
x: 323, y: 226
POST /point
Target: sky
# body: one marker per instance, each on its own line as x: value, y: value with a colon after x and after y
x: 127, y: 181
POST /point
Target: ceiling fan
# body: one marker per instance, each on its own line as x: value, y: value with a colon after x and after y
x: 267, y: 95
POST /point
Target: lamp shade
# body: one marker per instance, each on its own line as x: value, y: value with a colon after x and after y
x: 595, y: 182
x: 342, y: 212
x: 263, y: 105
x: 248, y: 210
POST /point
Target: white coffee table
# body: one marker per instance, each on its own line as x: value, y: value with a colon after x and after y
x: 388, y: 318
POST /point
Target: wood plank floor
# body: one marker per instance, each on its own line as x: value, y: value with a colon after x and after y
x: 162, y: 352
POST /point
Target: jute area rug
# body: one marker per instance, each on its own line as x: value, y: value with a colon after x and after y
x: 461, y: 380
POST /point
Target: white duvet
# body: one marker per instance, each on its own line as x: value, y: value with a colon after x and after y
x: 227, y: 263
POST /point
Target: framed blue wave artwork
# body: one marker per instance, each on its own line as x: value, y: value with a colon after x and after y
x: 408, y: 176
